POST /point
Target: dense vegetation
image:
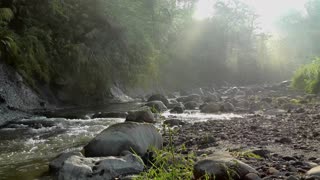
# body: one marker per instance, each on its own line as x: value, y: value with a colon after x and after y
x: 307, y: 77
x: 80, y: 48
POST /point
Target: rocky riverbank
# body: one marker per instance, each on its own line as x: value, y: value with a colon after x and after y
x: 276, y: 134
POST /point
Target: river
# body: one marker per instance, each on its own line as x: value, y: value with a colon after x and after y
x: 27, y: 145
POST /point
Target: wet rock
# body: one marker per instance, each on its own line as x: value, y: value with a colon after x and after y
x: 191, y: 105
x: 177, y: 109
x: 122, y: 138
x: 80, y: 168
x: 262, y: 153
x: 110, y: 115
x: 159, y: 97
x: 211, y: 108
x: 289, y: 158
x: 222, y: 167
x: 227, y: 107
x: 142, y: 115
x: 272, y: 171
x: 173, y: 103
x: 117, y: 95
x: 284, y: 140
x: 252, y: 176
x: 174, y: 122
x: 158, y: 106
x: 56, y: 164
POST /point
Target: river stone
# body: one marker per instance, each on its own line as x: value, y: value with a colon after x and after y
x: 157, y: 105
x: 211, y: 108
x: 174, y: 122
x: 110, y: 115
x: 118, y: 139
x: 142, y: 115
x: 191, y: 105
x: 222, y: 166
x: 173, y: 103
x: 79, y: 168
x: 177, y: 109
x: 56, y: 164
x: 211, y: 98
x: 192, y: 97
x: 252, y: 176
x: 159, y: 97
x: 227, y: 107
x: 314, y: 172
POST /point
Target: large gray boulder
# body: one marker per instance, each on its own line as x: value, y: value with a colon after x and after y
x: 122, y: 138
x: 81, y: 168
x: 159, y: 97
x: 222, y: 166
x: 158, y: 106
x: 143, y: 114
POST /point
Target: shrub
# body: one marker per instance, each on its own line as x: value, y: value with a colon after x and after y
x: 307, y: 77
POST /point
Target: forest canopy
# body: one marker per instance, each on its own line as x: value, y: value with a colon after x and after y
x: 82, y: 48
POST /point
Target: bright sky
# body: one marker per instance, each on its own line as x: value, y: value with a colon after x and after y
x: 268, y: 10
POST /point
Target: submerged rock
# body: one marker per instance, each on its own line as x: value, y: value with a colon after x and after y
x: 221, y: 166
x: 81, y: 168
x: 142, y: 115
x: 159, y: 97
x: 122, y: 138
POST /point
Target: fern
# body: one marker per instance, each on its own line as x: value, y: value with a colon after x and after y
x: 6, y: 14
x: 8, y: 46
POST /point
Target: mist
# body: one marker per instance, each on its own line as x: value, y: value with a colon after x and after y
x: 159, y: 89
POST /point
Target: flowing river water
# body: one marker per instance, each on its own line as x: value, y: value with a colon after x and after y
x: 27, y: 145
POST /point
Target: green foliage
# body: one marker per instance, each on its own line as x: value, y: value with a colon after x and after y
x: 6, y: 15
x: 8, y: 46
x: 245, y: 154
x: 169, y: 165
x: 307, y: 77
